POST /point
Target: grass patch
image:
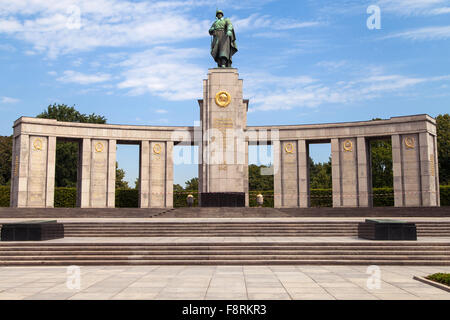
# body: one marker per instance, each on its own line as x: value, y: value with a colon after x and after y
x: 443, y: 278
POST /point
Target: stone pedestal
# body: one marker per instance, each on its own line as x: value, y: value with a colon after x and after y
x: 223, y: 151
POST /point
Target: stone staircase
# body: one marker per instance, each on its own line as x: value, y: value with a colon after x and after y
x: 234, y: 229
x: 226, y: 253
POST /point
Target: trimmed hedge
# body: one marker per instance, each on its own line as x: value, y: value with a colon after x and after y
x: 4, y: 196
x: 445, y: 195
x: 129, y: 198
x: 65, y: 197
x: 383, y: 197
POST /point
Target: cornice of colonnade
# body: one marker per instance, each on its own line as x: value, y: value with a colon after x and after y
x: 76, y: 130
x: 371, y: 128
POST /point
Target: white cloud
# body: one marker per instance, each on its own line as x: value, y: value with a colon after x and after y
x: 7, y: 100
x: 71, y: 76
x: 427, y: 33
x: 161, y: 111
x: 415, y: 7
x: 165, y: 72
x: 287, y: 93
x: 103, y: 23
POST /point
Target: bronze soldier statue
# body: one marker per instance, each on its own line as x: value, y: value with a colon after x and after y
x: 223, y: 45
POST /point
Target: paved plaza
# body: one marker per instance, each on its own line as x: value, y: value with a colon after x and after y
x: 219, y: 282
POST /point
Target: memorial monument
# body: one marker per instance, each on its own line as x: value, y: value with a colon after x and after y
x: 223, y: 138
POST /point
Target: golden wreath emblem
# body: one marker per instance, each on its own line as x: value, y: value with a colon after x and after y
x: 410, y: 142
x: 37, y: 144
x: 223, y: 99
x: 99, y: 147
x: 289, y: 148
x: 157, y: 148
x: 348, y: 146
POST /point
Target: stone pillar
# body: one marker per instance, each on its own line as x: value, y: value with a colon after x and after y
x: 349, y: 156
x: 289, y: 175
x: 397, y: 171
x: 336, y: 173
x: 223, y: 114
x: 84, y: 174
x: 169, y: 175
x: 277, y: 192
x: 303, y: 174
x: 19, y: 183
x: 111, y: 188
x: 364, y: 173
x: 246, y: 187
x: 51, y: 166
x: 33, y: 171
x: 428, y: 164
x: 407, y: 166
x: 144, y: 170
x: 156, y: 175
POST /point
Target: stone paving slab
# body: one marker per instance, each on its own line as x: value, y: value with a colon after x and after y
x: 219, y: 282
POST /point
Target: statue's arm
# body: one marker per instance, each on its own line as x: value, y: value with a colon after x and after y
x: 211, y: 30
x: 229, y: 28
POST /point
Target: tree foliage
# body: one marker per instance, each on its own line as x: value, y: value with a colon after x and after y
x: 443, y: 141
x: 320, y: 174
x: 381, y: 153
x: 257, y: 181
x: 5, y: 159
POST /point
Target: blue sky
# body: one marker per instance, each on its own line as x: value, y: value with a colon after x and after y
x: 142, y: 62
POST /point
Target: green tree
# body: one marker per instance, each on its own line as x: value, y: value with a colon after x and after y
x: 381, y: 154
x: 320, y: 174
x: 120, y: 175
x: 192, y: 185
x: 443, y: 141
x: 258, y: 182
x: 5, y: 159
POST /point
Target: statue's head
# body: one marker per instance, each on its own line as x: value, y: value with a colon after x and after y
x: 219, y: 14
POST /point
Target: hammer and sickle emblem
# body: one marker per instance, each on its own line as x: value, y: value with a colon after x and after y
x: 37, y: 144
x: 410, y: 142
x: 289, y: 148
x: 157, y: 148
x: 99, y: 147
x: 348, y: 145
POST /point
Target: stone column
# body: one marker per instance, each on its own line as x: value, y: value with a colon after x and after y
x: 156, y: 174
x: 336, y: 173
x: 144, y: 170
x: 344, y: 153
x: 99, y: 173
x: 303, y: 174
x: 399, y: 195
x: 84, y: 174
x: 289, y: 175
x: 364, y: 173
x: 277, y: 174
x: 246, y: 187
x: 111, y: 188
x: 428, y: 164
x: 19, y: 183
x: 407, y: 167
x: 436, y: 168
x: 51, y: 166
x: 169, y: 175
